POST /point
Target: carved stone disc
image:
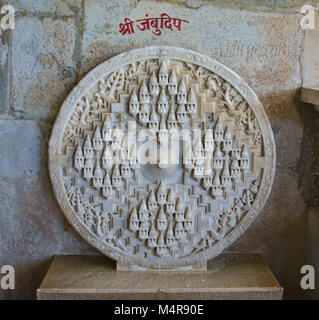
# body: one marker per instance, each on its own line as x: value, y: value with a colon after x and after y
x: 161, y: 157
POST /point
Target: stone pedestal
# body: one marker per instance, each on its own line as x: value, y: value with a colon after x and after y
x: 229, y: 276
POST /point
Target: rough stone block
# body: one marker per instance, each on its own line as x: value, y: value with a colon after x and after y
x: 41, y: 63
x: 31, y: 228
x: 3, y: 74
x: 311, y: 57
x: 27, y: 220
x: 44, y: 6
x: 288, y: 134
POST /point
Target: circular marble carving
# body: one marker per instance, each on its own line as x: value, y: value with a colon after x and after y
x: 161, y: 157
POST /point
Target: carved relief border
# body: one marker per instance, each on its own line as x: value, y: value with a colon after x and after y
x: 193, y: 58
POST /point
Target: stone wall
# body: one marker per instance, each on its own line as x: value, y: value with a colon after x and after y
x: 55, y: 42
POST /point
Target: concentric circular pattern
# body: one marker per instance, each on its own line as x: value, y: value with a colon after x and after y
x: 161, y: 157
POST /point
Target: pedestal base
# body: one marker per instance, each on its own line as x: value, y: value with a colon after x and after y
x: 229, y: 276
x: 194, y: 267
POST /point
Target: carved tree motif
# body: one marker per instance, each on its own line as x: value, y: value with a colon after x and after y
x: 114, y: 82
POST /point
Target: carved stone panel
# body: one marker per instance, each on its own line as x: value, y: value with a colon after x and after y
x: 161, y: 157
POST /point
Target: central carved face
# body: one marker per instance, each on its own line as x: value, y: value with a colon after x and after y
x: 163, y: 160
